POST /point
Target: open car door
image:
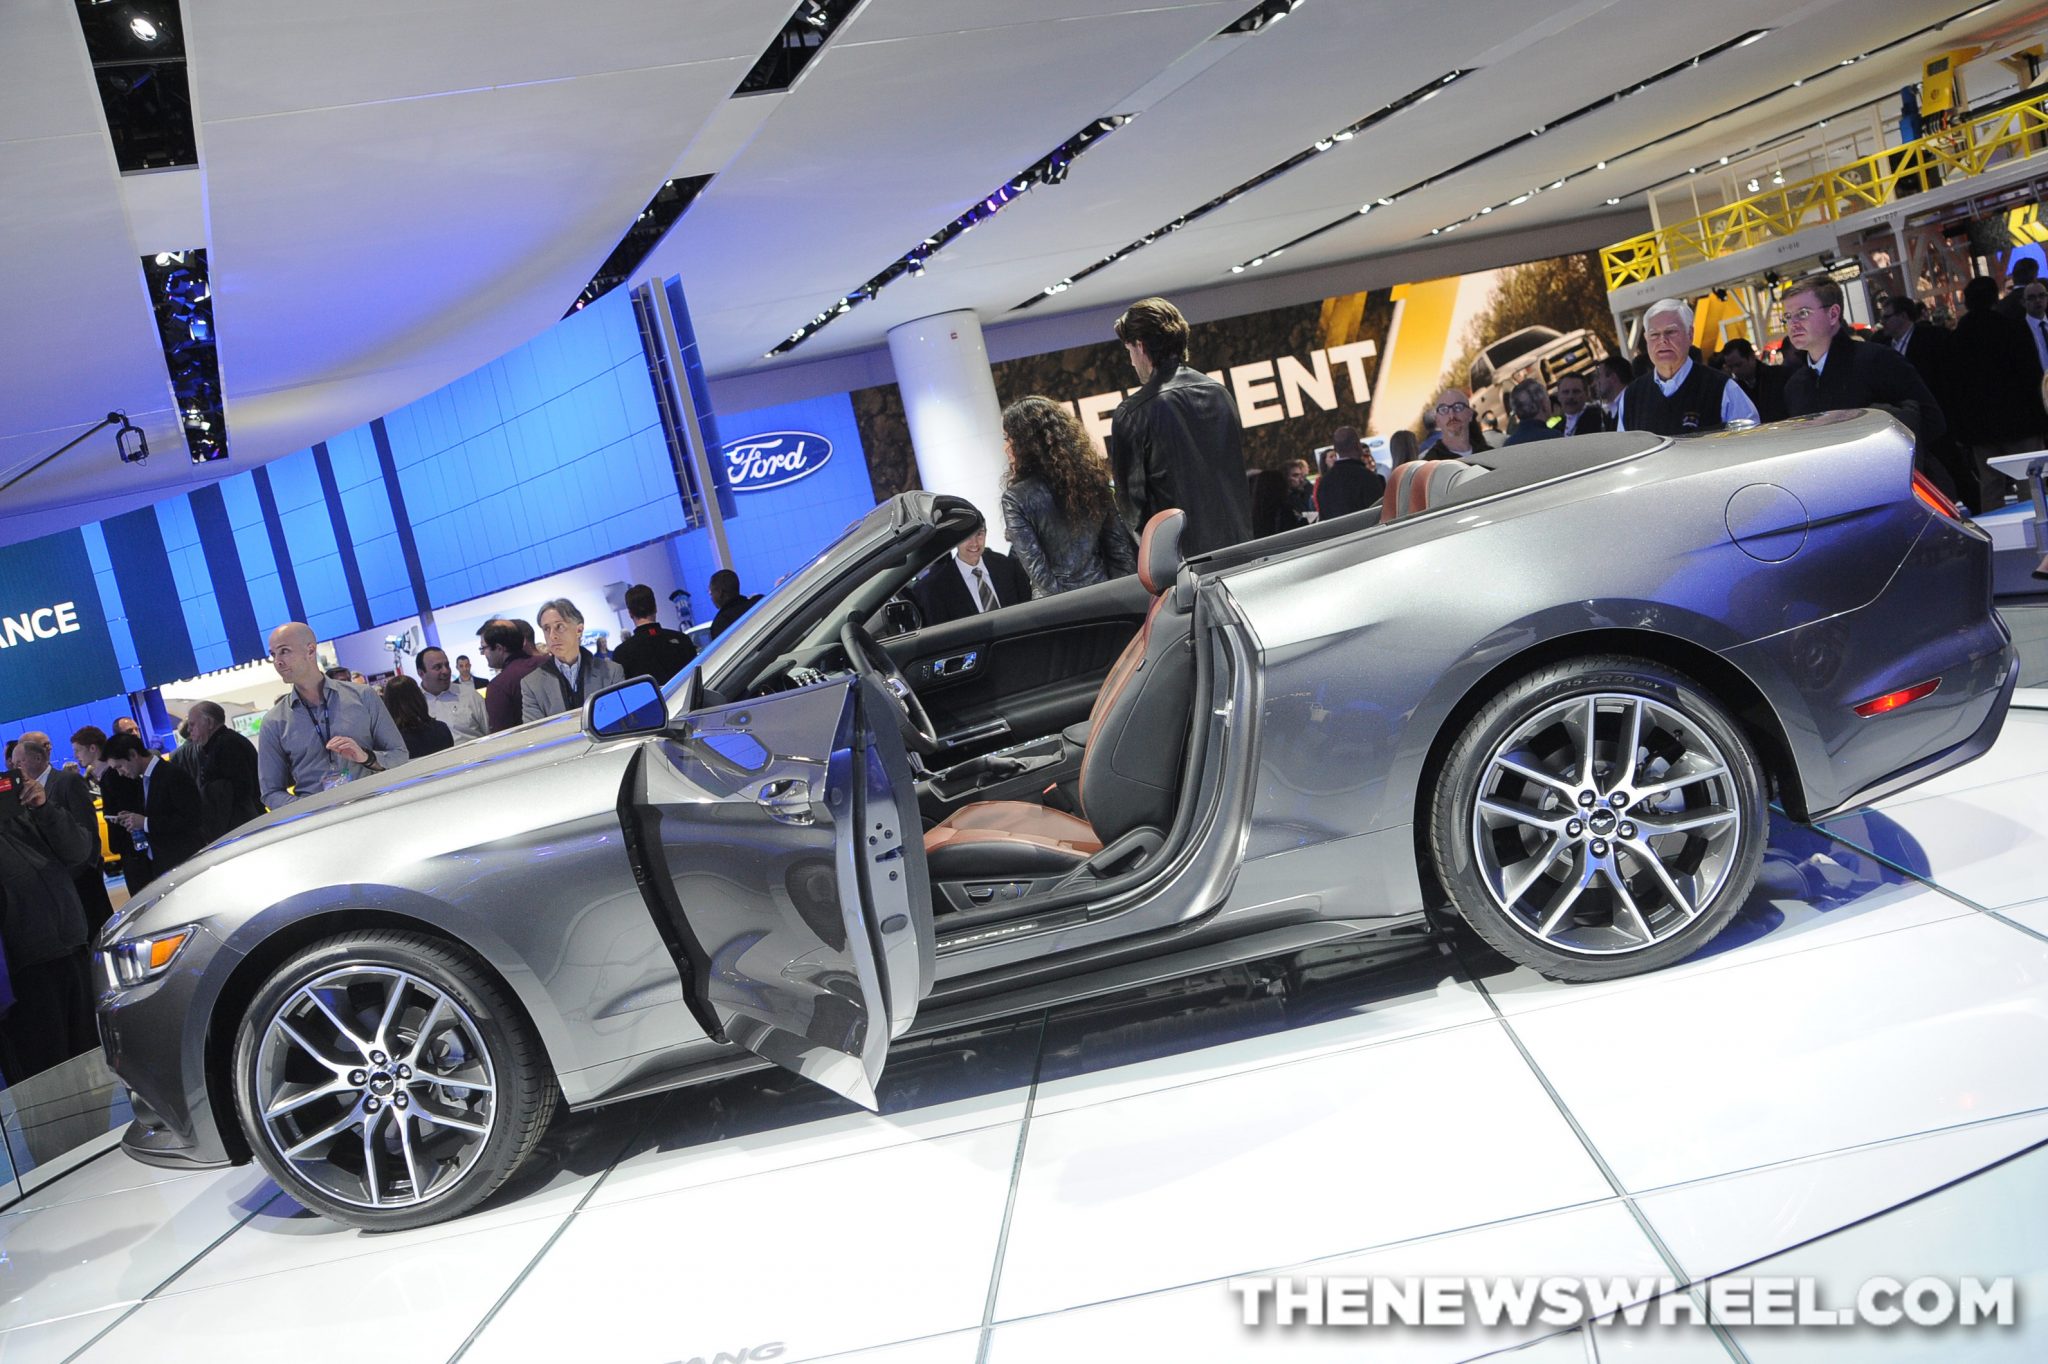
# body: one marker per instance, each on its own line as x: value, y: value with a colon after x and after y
x: 787, y: 874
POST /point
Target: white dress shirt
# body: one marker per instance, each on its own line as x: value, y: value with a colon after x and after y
x: 967, y: 575
x: 1735, y: 402
x: 461, y: 709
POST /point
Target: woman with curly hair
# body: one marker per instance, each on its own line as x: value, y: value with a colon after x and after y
x: 1057, y: 507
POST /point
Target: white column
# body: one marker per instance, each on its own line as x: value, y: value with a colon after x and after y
x: 949, y: 396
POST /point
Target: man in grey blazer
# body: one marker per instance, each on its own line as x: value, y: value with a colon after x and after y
x: 568, y: 672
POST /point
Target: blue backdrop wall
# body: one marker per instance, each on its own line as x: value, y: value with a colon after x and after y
x: 550, y: 457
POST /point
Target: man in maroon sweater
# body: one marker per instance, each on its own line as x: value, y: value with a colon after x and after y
x: 505, y: 649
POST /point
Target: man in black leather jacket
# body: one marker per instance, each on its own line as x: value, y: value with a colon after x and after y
x: 1177, y: 441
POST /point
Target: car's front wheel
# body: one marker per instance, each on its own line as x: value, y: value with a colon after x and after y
x: 385, y: 1081
x: 1600, y: 817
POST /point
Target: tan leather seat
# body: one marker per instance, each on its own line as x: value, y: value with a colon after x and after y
x: 1420, y: 484
x: 1130, y: 770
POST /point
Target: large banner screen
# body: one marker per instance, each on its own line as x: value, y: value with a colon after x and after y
x: 1374, y: 361
x: 54, y: 645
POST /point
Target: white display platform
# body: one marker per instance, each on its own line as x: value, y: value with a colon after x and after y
x: 1078, y: 1186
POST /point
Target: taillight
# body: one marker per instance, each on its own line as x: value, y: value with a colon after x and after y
x: 1932, y: 497
x: 1905, y: 696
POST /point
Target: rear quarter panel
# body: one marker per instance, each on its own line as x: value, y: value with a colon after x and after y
x: 1370, y: 643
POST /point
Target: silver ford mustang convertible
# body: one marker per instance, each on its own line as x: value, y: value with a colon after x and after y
x: 1551, y: 695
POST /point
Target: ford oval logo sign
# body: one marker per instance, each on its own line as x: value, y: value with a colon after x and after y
x: 758, y: 463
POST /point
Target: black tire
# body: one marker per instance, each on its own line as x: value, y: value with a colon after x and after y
x: 1645, y: 905
x: 490, y: 1038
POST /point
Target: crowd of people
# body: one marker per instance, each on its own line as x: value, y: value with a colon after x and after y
x: 330, y: 727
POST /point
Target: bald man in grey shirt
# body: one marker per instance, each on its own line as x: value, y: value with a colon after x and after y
x: 321, y: 731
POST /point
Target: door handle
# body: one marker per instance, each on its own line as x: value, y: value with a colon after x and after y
x: 787, y: 800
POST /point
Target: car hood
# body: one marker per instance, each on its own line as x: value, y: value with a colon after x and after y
x: 551, y: 740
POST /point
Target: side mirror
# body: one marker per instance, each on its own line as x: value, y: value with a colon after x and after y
x: 632, y: 707
x: 900, y: 616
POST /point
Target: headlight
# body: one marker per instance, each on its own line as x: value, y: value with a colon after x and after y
x: 137, y: 960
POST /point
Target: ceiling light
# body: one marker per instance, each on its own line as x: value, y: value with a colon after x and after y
x: 1614, y: 201
x: 143, y: 29
x: 1777, y: 177
x: 1749, y: 38
x: 1346, y: 135
x: 1755, y: 185
x: 1237, y: 269
x: 1599, y: 165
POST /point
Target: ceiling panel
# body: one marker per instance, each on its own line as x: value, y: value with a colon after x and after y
x: 252, y: 58
x: 910, y: 155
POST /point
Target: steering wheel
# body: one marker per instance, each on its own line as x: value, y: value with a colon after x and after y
x: 873, y: 661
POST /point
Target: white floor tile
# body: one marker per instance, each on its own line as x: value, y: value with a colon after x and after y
x: 2034, y: 915
x: 1717, y: 1225
x: 418, y: 1303
x: 113, y: 1172
x: 889, y: 1245
x: 51, y: 1341
x: 1110, y: 1050
x: 1987, y: 1227
x: 77, y: 1257
x: 1814, y: 892
x: 283, y: 1236
x: 955, y: 1347
x: 1204, y: 1321
x: 1650, y: 1343
x: 1859, y: 1042
x: 1983, y: 844
x: 771, y: 1120
x: 1283, y: 1164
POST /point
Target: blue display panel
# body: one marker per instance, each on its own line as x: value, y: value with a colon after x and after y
x: 55, y: 646
x: 550, y: 457
x: 205, y: 629
x: 547, y: 458
x: 311, y: 541
x: 799, y: 477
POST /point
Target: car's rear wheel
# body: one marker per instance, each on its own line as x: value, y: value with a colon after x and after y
x: 386, y: 1081
x: 1600, y: 817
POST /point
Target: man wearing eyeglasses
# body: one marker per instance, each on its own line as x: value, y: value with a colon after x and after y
x: 1842, y: 372
x: 1456, y: 436
x: 1678, y: 397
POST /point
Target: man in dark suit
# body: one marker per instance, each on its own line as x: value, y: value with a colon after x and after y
x: 1765, y: 384
x: 69, y: 793
x: 970, y: 580
x: 1353, y: 483
x: 1841, y: 372
x: 1995, y: 387
x: 1578, y: 414
x: 730, y: 601
x: 651, y: 650
x: 117, y: 793
x: 171, y: 825
x: 225, y: 770
x: 1928, y: 348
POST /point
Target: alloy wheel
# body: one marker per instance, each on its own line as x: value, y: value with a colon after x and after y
x: 375, y: 1086
x: 1605, y: 824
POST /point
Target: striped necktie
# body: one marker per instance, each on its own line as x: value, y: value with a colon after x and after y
x: 983, y: 590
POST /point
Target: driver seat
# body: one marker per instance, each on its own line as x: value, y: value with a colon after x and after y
x: 1130, y: 771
